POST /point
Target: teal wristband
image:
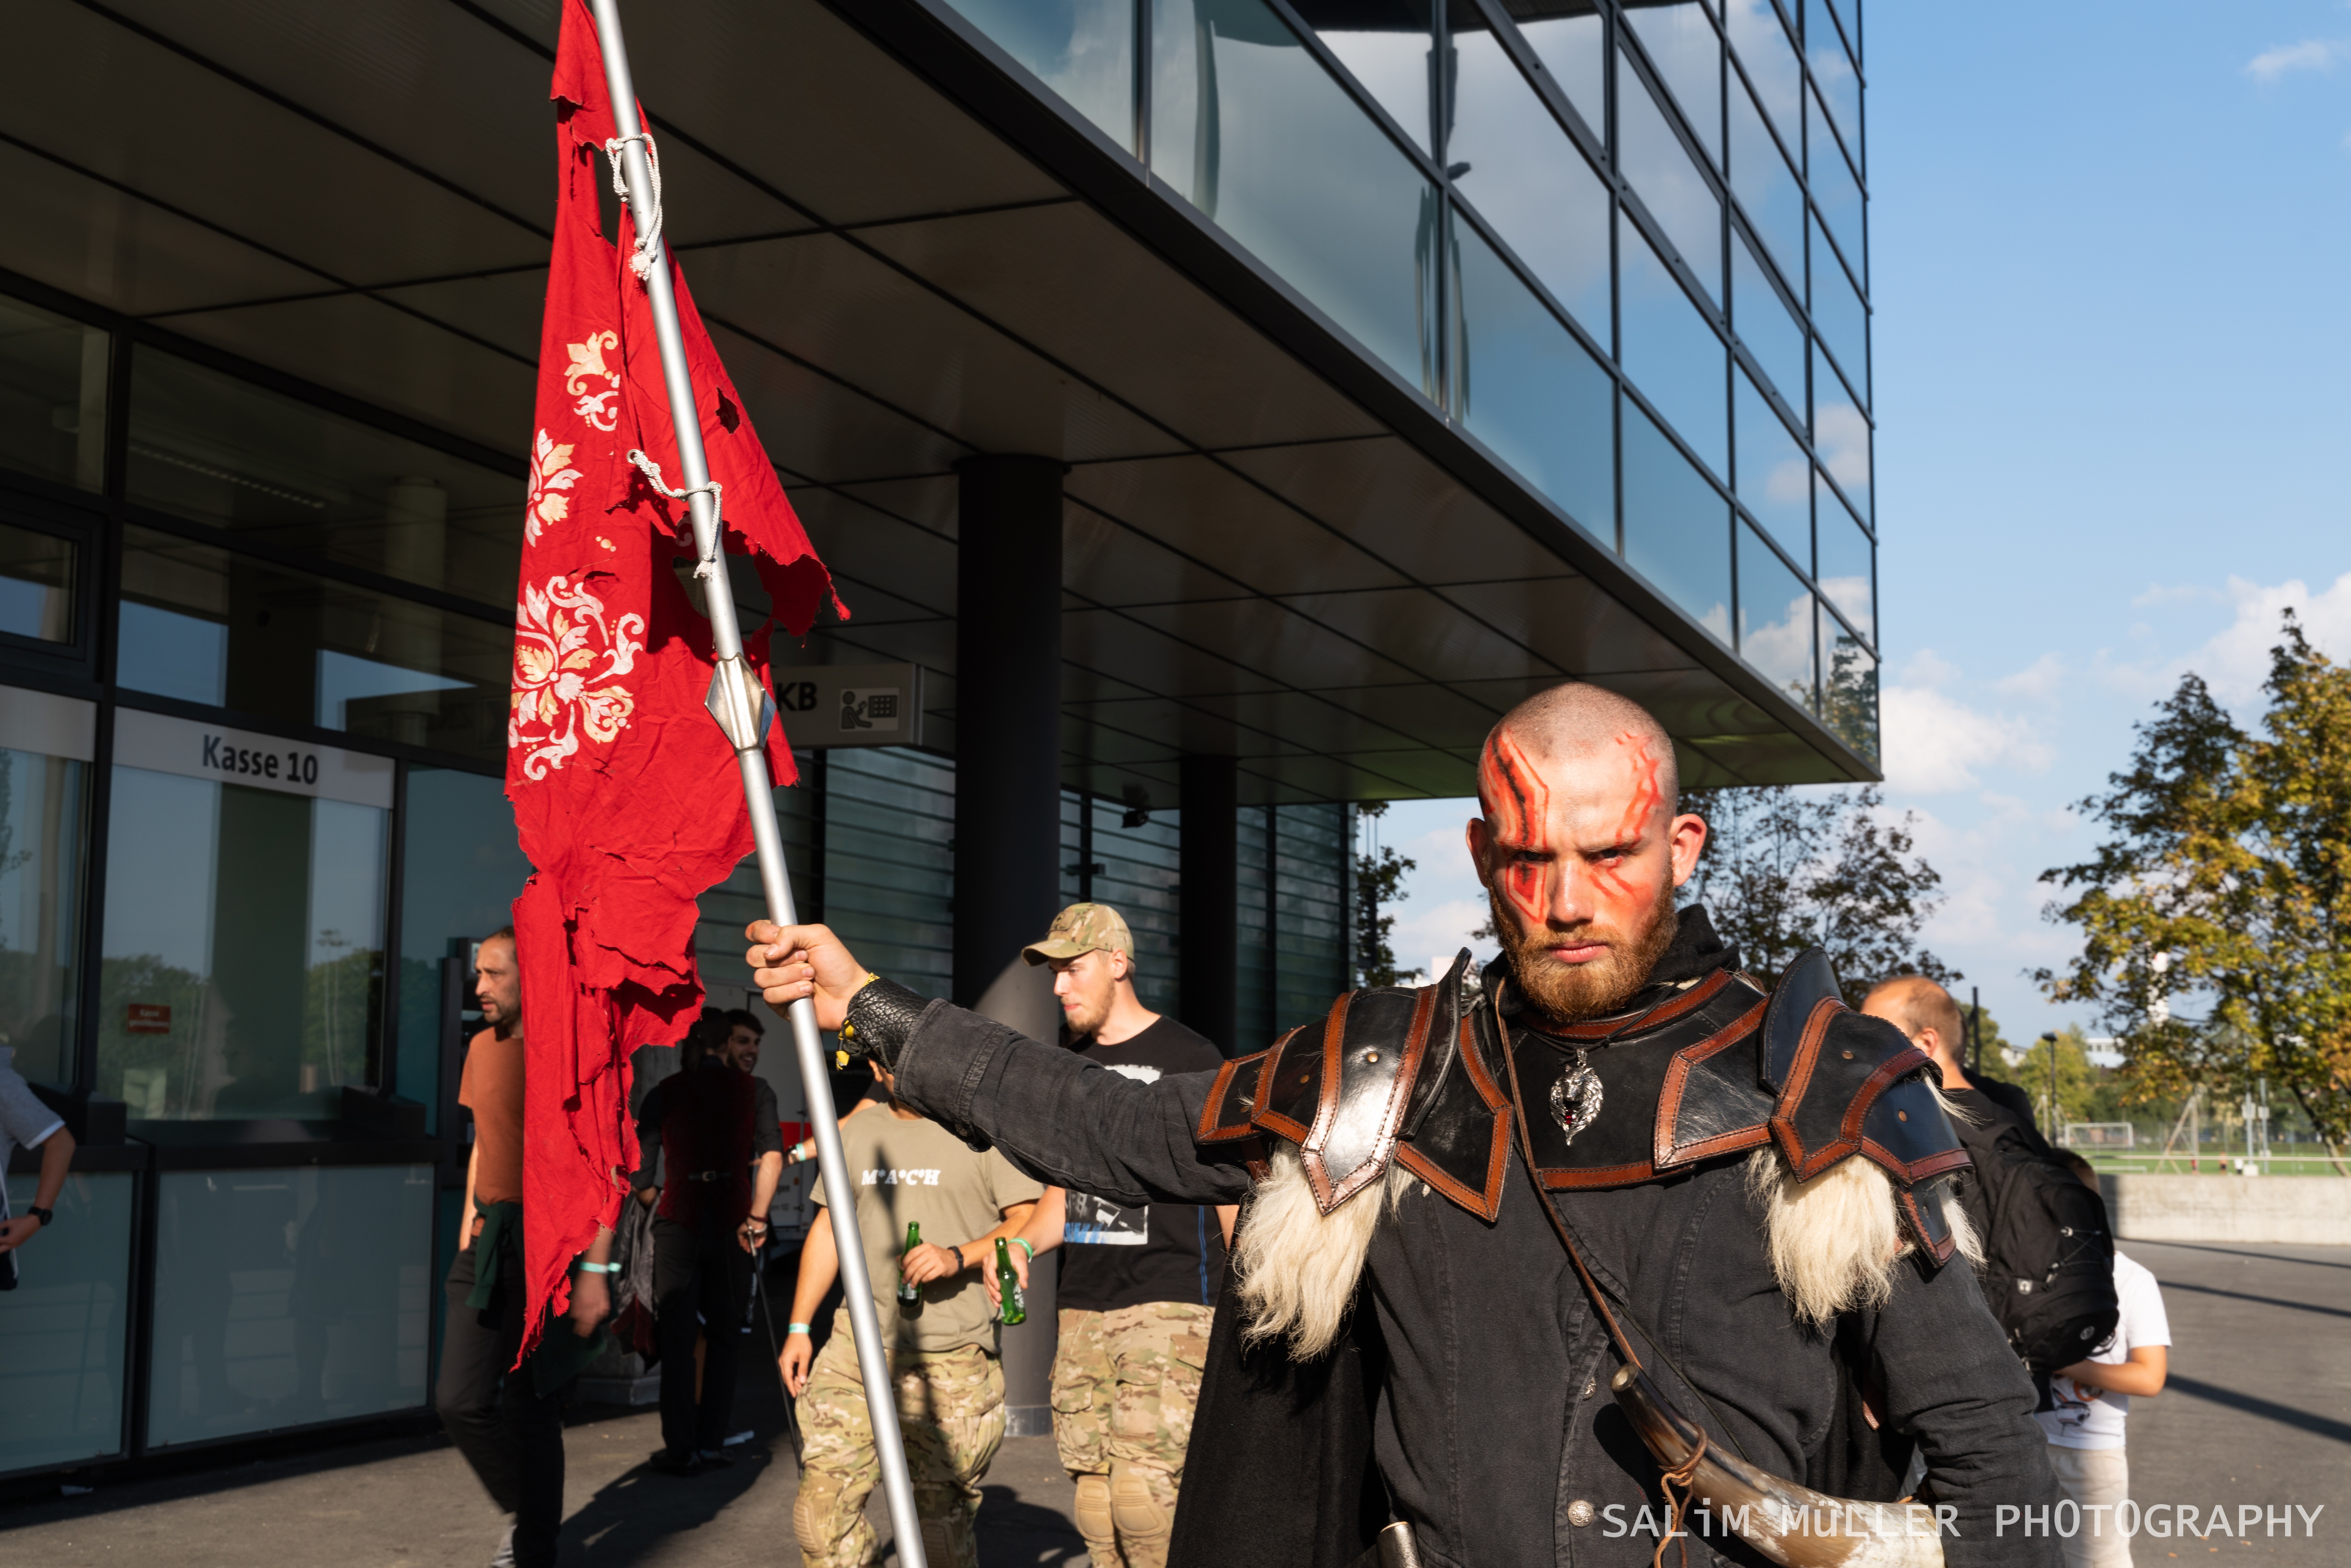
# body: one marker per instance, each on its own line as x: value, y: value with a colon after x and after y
x: 597, y: 1268
x: 1024, y: 1247
x: 796, y: 1328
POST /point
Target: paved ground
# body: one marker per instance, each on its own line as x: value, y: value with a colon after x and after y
x: 2258, y: 1414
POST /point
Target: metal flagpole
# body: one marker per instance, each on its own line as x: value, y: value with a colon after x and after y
x: 744, y: 713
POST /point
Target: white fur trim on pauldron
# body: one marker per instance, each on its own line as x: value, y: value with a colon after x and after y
x: 1833, y: 1240
x: 1297, y: 1267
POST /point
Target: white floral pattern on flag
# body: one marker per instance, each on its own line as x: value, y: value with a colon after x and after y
x: 567, y: 662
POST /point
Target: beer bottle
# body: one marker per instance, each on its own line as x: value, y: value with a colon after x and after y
x: 908, y: 1294
x: 1007, y: 1285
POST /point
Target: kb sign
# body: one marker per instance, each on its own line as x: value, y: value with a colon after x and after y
x: 851, y: 705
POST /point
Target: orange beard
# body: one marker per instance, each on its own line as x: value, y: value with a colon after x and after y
x: 1569, y: 993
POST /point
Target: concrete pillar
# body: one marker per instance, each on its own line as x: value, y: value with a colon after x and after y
x: 1008, y: 797
x: 1208, y: 873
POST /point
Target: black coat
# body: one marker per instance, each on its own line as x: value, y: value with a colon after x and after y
x: 1469, y: 1394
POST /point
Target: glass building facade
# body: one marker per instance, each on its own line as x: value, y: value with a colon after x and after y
x: 1622, y: 246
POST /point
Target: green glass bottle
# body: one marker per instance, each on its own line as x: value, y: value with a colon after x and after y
x: 908, y: 1294
x: 1007, y: 1285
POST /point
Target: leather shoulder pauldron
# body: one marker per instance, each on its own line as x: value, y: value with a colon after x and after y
x: 1418, y: 1075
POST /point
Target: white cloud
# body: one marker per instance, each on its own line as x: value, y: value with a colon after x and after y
x: 2235, y: 662
x: 1929, y: 668
x: 2038, y: 681
x: 1935, y: 743
x: 2310, y: 55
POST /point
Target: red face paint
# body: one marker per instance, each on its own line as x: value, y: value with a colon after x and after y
x: 1646, y: 798
x: 1518, y: 803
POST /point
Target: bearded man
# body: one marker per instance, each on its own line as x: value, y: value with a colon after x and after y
x: 1469, y: 1205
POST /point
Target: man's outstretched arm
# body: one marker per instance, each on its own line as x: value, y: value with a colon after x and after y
x: 1065, y: 1122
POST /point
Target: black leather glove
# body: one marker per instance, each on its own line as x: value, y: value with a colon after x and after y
x: 882, y: 1015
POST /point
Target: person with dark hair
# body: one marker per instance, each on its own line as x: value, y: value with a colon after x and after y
x: 1610, y: 1160
x: 508, y: 1420
x: 715, y: 1128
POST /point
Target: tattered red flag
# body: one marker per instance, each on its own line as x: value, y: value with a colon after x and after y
x: 625, y: 792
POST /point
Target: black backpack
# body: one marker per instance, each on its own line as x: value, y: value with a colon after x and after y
x: 2049, y: 1252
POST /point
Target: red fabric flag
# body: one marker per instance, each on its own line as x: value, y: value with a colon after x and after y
x: 625, y: 792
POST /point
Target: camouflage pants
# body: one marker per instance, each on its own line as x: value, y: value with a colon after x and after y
x: 951, y: 1410
x: 1124, y: 1387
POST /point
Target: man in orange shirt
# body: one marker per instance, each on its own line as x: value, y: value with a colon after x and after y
x: 509, y: 1423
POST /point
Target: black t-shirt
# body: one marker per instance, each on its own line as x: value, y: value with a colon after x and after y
x: 1114, y: 1257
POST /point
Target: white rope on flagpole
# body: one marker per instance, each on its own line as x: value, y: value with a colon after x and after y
x: 708, y: 567
x: 640, y: 258
x: 739, y: 703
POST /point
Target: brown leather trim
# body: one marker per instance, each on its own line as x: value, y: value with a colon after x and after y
x: 1326, y: 1103
x: 1487, y: 1204
x: 1848, y: 1140
x: 1799, y: 1074
x: 1415, y: 1045
x: 1697, y: 996
x: 1474, y: 1061
x: 1892, y: 1068
x: 1942, y: 1249
x: 1215, y: 1125
x: 1599, y: 1175
x: 1274, y: 1120
x: 1665, y: 1151
x: 1932, y: 1166
x: 1258, y: 1165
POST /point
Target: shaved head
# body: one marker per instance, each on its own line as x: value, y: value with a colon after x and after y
x: 1576, y: 719
x: 1915, y: 1004
x: 1580, y: 846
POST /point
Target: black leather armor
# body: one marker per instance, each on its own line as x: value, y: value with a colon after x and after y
x: 1716, y: 1067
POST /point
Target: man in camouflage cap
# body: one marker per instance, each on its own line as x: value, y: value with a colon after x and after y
x: 1138, y: 1285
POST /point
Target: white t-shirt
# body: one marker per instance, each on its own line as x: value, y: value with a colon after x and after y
x: 2086, y: 1420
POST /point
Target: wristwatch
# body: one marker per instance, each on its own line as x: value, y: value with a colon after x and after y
x: 48, y: 1216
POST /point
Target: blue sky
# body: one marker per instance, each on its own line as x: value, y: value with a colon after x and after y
x: 2109, y: 251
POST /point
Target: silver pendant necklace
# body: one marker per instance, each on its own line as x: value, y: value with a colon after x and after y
x: 1575, y: 1098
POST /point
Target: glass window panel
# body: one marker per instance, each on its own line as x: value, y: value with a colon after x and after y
x: 1848, y: 569
x: 1567, y: 36
x: 1840, y: 434
x: 1775, y: 619
x: 64, y: 1330
x: 243, y: 965
x: 1140, y: 879
x: 1670, y: 351
x: 208, y: 625
x: 41, y: 850
x: 1683, y: 45
x: 1083, y: 49
x: 1386, y: 44
x: 1524, y: 172
x: 461, y: 871
x: 1676, y: 531
x: 1766, y: 187
x: 1839, y: 315
x: 288, y: 1296
x: 1529, y: 390
x: 889, y: 873
x: 1848, y: 687
x: 36, y: 584
x: 1835, y: 193
x: 1253, y: 131
x: 1309, y: 875
x: 52, y: 396
x: 1847, y: 13
x: 224, y: 451
x: 1840, y: 89
x: 1760, y: 318
x: 1775, y: 477
x: 1762, y: 44
x: 1659, y: 168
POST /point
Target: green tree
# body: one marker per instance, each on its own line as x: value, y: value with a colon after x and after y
x: 1379, y: 884
x: 1784, y: 871
x: 2079, y: 1086
x: 2224, y: 884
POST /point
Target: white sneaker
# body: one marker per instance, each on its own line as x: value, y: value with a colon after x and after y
x: 505, y: 1558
